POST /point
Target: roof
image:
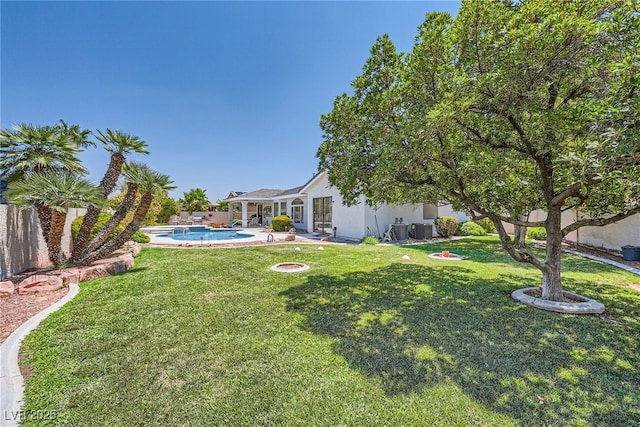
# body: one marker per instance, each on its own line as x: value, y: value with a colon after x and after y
x: 294, y: 190
x: 270, y: 193
x: 263, y: 193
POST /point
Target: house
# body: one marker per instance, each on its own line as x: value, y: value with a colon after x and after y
x: 317, y: 207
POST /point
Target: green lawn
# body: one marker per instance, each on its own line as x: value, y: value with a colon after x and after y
x: 213, y: 337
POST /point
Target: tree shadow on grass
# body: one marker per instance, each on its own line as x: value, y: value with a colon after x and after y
x: 412, y: 327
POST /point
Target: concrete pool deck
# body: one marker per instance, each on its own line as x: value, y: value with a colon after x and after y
x: 258, y: 236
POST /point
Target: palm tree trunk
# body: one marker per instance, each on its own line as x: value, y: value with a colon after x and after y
x: 118, y: 216
x: 107, y: 185
x: 117, y: 242
x: 54, y: 247
x: 44, y: 215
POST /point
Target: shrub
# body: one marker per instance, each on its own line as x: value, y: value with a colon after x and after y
x: 102, y: 220
x: 487, y: 224
x: 140, y: 237
x: 537, y: 233
x: 369, y: 240
x: 281, y: 223
x: 446, y: 225
x: 471, y: 229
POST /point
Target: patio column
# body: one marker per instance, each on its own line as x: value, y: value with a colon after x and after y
x: 245, y: 219
x: 230, y: 206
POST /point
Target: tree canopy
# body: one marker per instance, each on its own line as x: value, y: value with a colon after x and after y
x: 508, y: 108
x: 195, y: 200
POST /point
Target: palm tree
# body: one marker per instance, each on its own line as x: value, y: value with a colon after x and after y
x: 134, y: 174
x: 27, y: 149
x: 118, y: 144
x: 195, y: 200
x: 151, y: 183
x: 58, y: 191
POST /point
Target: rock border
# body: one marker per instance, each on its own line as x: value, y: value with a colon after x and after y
x: 280, y: 269
x: 52, y: 280
x: 585, y: 306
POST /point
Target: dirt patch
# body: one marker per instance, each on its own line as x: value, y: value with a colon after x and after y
x: 16, y: 310
x: 568, y: 297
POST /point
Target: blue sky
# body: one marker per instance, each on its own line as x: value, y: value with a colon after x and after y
x: 228, y: 95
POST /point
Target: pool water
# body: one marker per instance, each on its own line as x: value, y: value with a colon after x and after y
x: 203, y: 233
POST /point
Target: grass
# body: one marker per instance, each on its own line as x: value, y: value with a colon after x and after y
x: 213, y: 337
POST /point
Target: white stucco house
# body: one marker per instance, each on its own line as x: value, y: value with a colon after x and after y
x: 317, y: 207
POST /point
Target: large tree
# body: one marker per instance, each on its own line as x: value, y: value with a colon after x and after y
x: 508, y: 108
x: 119, y: 144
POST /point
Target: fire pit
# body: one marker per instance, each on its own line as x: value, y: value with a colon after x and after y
x: 289, y: 267
x: 446, y: 255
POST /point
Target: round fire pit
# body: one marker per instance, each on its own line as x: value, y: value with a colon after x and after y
x: 445, y: 255
x: 289, y: 267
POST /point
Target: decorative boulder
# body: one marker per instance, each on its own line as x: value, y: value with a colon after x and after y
x: 39, y: 283
x: 6, y: 289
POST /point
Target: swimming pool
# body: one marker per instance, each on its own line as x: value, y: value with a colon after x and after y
x: 203, y: 233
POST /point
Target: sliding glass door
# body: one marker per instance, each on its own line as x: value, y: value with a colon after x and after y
x: 322, y: 215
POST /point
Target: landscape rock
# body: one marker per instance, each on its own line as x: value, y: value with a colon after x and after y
x: 70, y: 275
x: 93, y: 272
x: 39, y: 283
x: 6, y: 289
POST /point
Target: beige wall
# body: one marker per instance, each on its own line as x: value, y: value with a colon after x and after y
x: 612, y: 236
x: 22, y: 246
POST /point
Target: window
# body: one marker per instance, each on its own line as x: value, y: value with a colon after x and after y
x: 283, y: 208
x: 322, y: 214
x: 429, y: 211
x: 297, y: 211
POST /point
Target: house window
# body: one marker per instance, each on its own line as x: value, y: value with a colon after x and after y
x: 266, y: 210
x: 283, y: 208
x: 297, y: 211
x: 322, y: 214
x: 429, y: 211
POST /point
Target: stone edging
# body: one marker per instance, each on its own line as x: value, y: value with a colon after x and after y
x: 11, y: 381
x: 286, y: 267
x: 585, y: 306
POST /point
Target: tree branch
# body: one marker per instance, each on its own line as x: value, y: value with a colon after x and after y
x: 599, y: 222
x: 573, y: 190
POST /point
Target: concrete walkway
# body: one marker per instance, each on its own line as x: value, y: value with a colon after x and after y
x: 11, y: 381
x: 604, y: 260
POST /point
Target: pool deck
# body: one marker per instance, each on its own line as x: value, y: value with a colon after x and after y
x: 260, y: 236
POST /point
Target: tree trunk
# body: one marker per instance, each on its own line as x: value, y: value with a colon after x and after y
x: 93, y: 212
x: 519, y: 236
x: 551, y: 281
x: 44, y: 216
x: 118, y: 216
x: 117, y: 242
x: 82, y: 238
x: 520, y: 233
x: 54, y: 247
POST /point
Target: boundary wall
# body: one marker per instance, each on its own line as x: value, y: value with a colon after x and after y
x: 22, y: 246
